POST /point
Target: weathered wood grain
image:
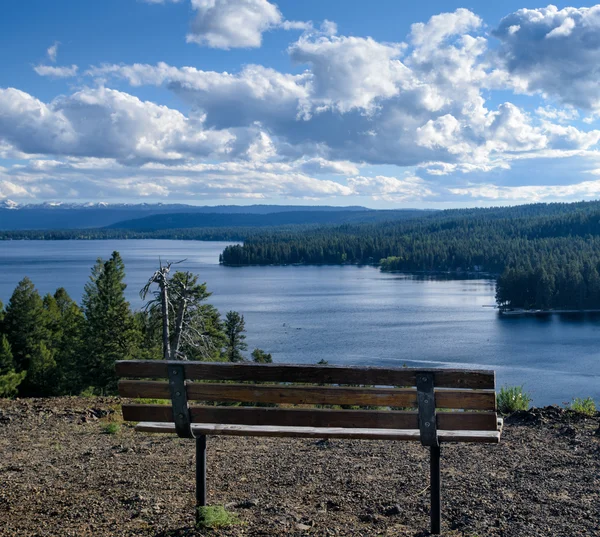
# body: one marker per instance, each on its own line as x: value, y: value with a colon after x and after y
x: 309, y: 374
x: 489, y: 437
x: 459, y: 421
x: 311, y: 395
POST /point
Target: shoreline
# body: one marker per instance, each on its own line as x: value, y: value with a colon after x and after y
x: 540, y: 312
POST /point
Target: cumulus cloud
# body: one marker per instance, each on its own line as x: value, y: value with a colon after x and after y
x: 256, y: 93
x: 229, y: 24
x: 428, y: 36
x: 56, y: 72
x: 428, y: 104
x: 104, y: 123
x: 379, y: 103
x: 350, y: 72
x: 555, y: 52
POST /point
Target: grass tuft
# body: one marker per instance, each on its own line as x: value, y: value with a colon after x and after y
x: 583, y: 406
x: 111, y: 428
x: 513, y: 398
x: 215, y: 516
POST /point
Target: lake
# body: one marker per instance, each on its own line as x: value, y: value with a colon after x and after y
x: 346, y: 314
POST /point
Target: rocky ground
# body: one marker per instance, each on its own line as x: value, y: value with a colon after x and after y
x: 62, y: 475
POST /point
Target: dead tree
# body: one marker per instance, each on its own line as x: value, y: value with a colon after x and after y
x: 161, y: 278
x: 180, y: 296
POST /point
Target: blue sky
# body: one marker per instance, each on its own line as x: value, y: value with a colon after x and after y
x: 381, y: 103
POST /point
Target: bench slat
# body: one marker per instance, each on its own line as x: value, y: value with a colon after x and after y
x: 311, y: 395
x: 459, y: 421
x: 489, y: 437
x: 377, y: 376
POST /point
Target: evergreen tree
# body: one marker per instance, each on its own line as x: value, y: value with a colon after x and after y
x: 261, y: 357
x: 234, y: 332
x: 66, y: 323
x: 25, y: 324
x: 6, y: 358
x: 9, y: 378
x: 41, y: 375
x: 110, y: 331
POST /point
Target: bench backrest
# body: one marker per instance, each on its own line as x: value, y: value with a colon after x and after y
x: 381, y: 398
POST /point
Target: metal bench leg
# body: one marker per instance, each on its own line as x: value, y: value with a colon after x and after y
x: 435, y: 485
x: 200, y: 472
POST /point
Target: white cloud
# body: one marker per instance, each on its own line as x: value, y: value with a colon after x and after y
x: 428, y: 36
x: 53, y: 52
x: 94, y: 178
x: 428, y: 104
x: 229, y: 24
x: 56, y: 72
x: 104, y: 123
x: 530, y: 194
x: 381, y: 187
x: 554, y: 52
x: 320, y: 165
x: 255, y: 94
x: 11, y: 190
x: 561, y: 115
x: 564, y: 30
x: 350, y: 72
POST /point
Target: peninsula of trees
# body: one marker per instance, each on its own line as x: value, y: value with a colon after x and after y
x: 545, y: 255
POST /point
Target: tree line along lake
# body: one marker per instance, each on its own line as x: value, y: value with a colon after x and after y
x: 346, y: 314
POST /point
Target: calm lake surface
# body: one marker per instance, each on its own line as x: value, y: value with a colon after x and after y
x: 346, y: 315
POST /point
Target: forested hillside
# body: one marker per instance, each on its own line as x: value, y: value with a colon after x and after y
x: 547, y: 255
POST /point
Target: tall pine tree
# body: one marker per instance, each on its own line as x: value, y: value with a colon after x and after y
x: 234, y: 332
x: 25, y: 327
x: 110, y: 331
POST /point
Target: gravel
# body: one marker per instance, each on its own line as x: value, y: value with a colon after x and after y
x: 61, y: 475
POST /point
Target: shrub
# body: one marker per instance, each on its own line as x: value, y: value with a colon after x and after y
x: 513, y: 398
x: 261, y: 357
x: 88, y: 392
x: 583, y: 406
x: 10, y: 382
x: 111, y: 428
x: 215, y: 516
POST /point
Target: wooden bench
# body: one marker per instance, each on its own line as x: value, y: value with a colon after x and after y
x: 467, y: 397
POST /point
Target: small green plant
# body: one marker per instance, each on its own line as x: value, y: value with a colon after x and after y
x: 88, y: 392
x: 583, y: 406
x: 148, y: 401
x: 215, y: 516
x: 513, y: 398
x: 111, y: 428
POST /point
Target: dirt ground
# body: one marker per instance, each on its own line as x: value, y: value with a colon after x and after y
x: 61, y: 475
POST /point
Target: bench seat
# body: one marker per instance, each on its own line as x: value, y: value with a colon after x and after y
x: 486, y: 437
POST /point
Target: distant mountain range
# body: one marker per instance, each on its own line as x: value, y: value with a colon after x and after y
x: 282, y: 218
x: 14, y: 216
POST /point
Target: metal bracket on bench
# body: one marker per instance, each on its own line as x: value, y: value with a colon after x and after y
x: 426, y: 402
x: 179, y: 402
